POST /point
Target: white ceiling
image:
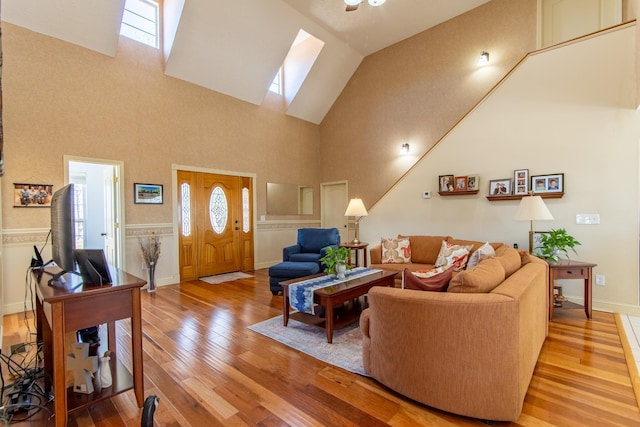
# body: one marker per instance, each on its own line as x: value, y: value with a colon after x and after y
x: 236, y: 46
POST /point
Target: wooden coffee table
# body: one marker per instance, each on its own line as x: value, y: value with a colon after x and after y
x: 334, y: 295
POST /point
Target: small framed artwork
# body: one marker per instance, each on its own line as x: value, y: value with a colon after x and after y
x: 461, y: 183
x: 500, y: 187
x: 32, y: 195
x: 521, y: 182
x: 552, y: 183
x: 473, y: 183
x: 150, y: 194
x: 445, y: 183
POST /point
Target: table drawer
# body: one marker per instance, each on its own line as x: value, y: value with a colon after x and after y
x: 571, y: 273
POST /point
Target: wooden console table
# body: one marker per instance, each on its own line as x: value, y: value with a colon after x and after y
x: 67, y: 306
x: 569, y: 269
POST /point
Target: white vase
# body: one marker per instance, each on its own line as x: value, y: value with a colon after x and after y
x: 105, y: 372
x: 341, y: 271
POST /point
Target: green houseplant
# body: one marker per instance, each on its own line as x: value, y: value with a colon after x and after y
x: 555, y: 242
x: 336, y: 257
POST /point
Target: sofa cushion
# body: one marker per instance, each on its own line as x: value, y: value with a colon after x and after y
x: 425, y: 249
x: 435, y: 280
x: 474, y: 243
x: 455, y: 255
x: 395, y: 251
x: 483, y: 252
x: 482, y: 278
x: 509, y: 258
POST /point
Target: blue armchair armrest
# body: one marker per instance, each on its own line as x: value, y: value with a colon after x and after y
x: 290, y: 250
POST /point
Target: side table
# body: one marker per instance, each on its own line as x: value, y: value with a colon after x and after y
x: 356, y: 247
x: 569, y: 269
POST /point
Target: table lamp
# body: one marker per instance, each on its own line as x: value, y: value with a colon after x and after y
x: 356, y: 209
x: 532, y: 208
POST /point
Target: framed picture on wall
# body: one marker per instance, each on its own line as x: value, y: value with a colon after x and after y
x: 32, y: 195
x: 150, y: 194
x: 500, y: 187
x: 521, y: 182
x: 445, y: 183
x: 552, y: 183
x: 460, y: 183
x: 473, y: 183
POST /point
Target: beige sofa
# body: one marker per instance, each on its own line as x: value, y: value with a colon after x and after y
x: 472, y: 354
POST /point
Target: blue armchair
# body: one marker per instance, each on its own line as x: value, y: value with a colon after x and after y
x: 312, y: 245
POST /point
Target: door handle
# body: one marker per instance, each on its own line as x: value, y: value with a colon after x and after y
x: 103, y: 234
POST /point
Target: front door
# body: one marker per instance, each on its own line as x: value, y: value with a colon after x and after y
x: 215, y: 224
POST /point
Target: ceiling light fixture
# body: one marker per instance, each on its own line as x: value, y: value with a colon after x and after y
x: 484, y: 58
x: 405, y: 148
x: 352, y: 2
x: 376, y: 2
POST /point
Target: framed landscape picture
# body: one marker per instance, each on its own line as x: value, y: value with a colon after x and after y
x: 521, y: 182
x: 500, y: 187
x: 150, y: 194
x: 552, y: 183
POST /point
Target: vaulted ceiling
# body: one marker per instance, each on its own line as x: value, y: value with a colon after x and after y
x: 236, y: 46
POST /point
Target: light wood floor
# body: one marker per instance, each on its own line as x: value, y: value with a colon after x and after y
x: 208, y: 369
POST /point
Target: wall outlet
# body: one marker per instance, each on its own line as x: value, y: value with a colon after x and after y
x: 600, y: 279
x: 426, y: 194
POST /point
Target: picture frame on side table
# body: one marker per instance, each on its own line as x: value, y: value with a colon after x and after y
x: 551, y: 183
x: 149, y: 194
x: 521, y: 182
x: 500, y: 187
x: 473, y: 183
x: 445, y: 183
x: 460, y: 183
x: 535, y: 242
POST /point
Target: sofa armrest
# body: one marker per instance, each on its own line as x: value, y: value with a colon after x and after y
x: 375, y: 254
x: 290, y: 250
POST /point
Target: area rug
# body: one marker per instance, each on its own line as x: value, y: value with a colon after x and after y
x: 345, y: 351
x: 228, y: 277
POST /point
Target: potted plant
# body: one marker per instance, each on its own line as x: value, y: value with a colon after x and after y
x: 555, y: 242
x: 336, y: 261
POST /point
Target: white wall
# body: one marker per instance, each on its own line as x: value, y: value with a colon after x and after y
x: 566, y: 110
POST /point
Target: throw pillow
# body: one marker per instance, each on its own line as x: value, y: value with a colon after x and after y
x: 395, y: 251
x: 509, y: 258
x: 435, y: 280
x: 483, y: 252
x: 455, y: 255
x: 483, y: 278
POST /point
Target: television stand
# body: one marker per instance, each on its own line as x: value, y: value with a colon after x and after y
x: 68, y: 307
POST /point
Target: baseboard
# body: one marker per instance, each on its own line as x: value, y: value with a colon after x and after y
x: 628, y: 355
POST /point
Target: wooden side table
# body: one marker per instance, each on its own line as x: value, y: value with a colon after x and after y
x: 569, y: 269
x: 356, y: 247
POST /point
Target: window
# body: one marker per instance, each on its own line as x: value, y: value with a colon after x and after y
x: 276, y: 85
x: 140, y: 21
x: 218, y: 210
x: 80, y: 203
x: 185, y: 191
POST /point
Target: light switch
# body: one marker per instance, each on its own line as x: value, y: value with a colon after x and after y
x: 587, y: 219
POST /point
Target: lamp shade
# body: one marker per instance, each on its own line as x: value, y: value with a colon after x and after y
x: 532, y: 208
x: 356, y: 208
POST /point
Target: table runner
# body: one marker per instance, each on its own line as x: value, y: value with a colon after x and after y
x: 301, y: 293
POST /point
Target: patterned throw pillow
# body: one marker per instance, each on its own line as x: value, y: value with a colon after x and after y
x: 455, y: 255
x: 395, y: 251
x: 483, y: 252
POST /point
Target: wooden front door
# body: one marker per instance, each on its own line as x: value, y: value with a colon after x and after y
x: 215, y: 224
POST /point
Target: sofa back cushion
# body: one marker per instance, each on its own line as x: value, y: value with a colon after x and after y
x: 509, y: 258
x: 482, y: 278
x: 425, y: 249
x: 474, y: 243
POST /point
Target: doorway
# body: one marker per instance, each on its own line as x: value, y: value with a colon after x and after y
x: 215, y: 224
x: 99, y: 218
x: 333, y: 201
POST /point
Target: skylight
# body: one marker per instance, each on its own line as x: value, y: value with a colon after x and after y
x: 297, y: 65
x: 140, y: 21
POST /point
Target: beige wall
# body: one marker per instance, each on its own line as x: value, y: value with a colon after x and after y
x: 560, y: 112
x: 416, y: 90
x: 63, y: 99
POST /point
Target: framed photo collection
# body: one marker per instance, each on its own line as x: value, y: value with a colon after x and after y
x: 521, y: 180
x: 552, y: 183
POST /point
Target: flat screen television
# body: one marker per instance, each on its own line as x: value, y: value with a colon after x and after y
x: 63, y: 231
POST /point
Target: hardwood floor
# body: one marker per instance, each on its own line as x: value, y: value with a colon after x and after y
x: 208, y: 369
